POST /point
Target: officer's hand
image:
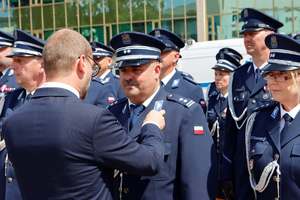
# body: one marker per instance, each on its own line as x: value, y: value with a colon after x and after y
x: 156, y: 117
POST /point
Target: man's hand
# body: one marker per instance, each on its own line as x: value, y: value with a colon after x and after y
x: 157, y: 118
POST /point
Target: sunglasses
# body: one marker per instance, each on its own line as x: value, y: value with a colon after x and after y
x: 95, y: 66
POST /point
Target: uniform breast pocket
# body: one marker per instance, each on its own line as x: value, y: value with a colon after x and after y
x: 295, y: 163
x: 258, y: 147
x: 240, y: 96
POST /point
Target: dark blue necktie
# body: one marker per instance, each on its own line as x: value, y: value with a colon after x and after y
x: 257, y: 75
x: 287, y: 121
x: 135, y: 111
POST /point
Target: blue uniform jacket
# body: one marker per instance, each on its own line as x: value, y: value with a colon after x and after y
x: 186, y: 173
x: 183, y: 85
x: 246, y: 93
x: 62, y: 148
x: 265, y: 143
x: 8, y: 79
x: 9, y: 189
x: 216, y: 112
x: 104, y: 92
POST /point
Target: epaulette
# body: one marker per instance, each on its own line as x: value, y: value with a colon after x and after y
x: 265, y: 106
x: 186, y: 102
x: 119, y: 101
x: 189, y: 80
x: 185, y: 74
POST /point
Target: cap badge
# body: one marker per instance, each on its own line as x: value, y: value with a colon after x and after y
x: 246, y: 14
x: 126, y: 39
x: 274, y: 43
x: 157, y: 33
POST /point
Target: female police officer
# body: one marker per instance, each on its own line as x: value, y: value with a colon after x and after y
x: 273, y: 135
x: 227, y: 61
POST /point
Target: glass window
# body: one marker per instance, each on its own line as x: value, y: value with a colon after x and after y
x: 86, y: 32
x: 139, y: 27
x: 15, y: 17
x: 36, y: 17
x: 124, y: 27
x: 14, y: 3
x: 97, y: 12
x: 47, y: 34
x: 59, y: 15
x: 98, y: 34
x: 166, y: 24
x: 283, y: 12
x: 213, y: 6
x: 179, y: 28
x: 137, y: 10
x: 72, y: 14
x: 152, y: 9
x: 25, y: 18
x: 149, y: 27
x: 296, y: 18
x: 110, y: 11
x: 48, y: 16
x: 166, y: 9
x: 123, y: 5
x: 191, y: 7
x: 178, y: 8
x: 84, y: 12
x: 192, y: 28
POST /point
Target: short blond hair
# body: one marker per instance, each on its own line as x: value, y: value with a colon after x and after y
x: 62, y: 50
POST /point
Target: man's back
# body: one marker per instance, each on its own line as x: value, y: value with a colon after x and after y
x: 66, y: 146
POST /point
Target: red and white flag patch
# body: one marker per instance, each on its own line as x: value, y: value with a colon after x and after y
x: 110, y: 100
x: 198, y: 130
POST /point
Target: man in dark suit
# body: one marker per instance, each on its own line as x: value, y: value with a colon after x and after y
x: 27, y: 65
x: 105, y: 87
x: 186, y: 172
x: 175, y: 81
x: 247, y: 92
x: 62, y: 148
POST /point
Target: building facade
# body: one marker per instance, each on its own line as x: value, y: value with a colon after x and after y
x: 99, y: 20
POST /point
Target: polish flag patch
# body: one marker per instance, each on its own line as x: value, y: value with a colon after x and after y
x: 198, y: 130
x: 110, y: 100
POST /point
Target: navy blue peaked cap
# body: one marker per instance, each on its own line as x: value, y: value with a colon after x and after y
x: 255, y: 20
x: 284, y: 53
x: 228, y: 59
x: 6, y: 39
x: 100, y: 50
x: 135, y: 49
x: 171, y: 40
x: 27, y: 45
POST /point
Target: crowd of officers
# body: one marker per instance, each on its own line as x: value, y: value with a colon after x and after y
x: 84, y: 120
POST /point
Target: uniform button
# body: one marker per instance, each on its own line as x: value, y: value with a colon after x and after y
x: 253, y: 101
x: 9, y: 179
x: 125, y: 190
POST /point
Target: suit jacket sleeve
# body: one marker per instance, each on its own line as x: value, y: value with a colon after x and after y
x: 197, y: 176
x: 115, y: 149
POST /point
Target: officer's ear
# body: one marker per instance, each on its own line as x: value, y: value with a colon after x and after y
x: 157, y: 67
x: 80, y: 66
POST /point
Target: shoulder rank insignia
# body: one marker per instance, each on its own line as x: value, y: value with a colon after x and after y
x: 181, y: 100
x: 106, y: 80
x: 275, y: 112
x: 175, y: 83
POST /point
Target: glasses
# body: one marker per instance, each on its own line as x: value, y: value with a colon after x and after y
x: 278, y: 77
x: 95, y: 67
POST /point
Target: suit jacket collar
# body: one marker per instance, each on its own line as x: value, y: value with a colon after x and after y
x: 53, y: 92
x: 258, y: 86
x: 273, y: 127
x: 291, y: 132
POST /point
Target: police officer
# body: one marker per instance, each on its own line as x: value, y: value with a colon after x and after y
x: 27, y: 65
x: 105, y: 87
x: 186, y: 172
x: 175, y: 81
x: 7, y: 84
x: 227, y: 61
x: 273, y: 139
x: 247, y: 92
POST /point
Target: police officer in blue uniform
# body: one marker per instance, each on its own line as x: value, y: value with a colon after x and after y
x: 175, y: 81
x: 186, y: 172
x: 7, y: 84
x: 273, y: 140
x: 105, y: 87
x: 227, y: 61
x: 27, y: 60
x: 247, y: 92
